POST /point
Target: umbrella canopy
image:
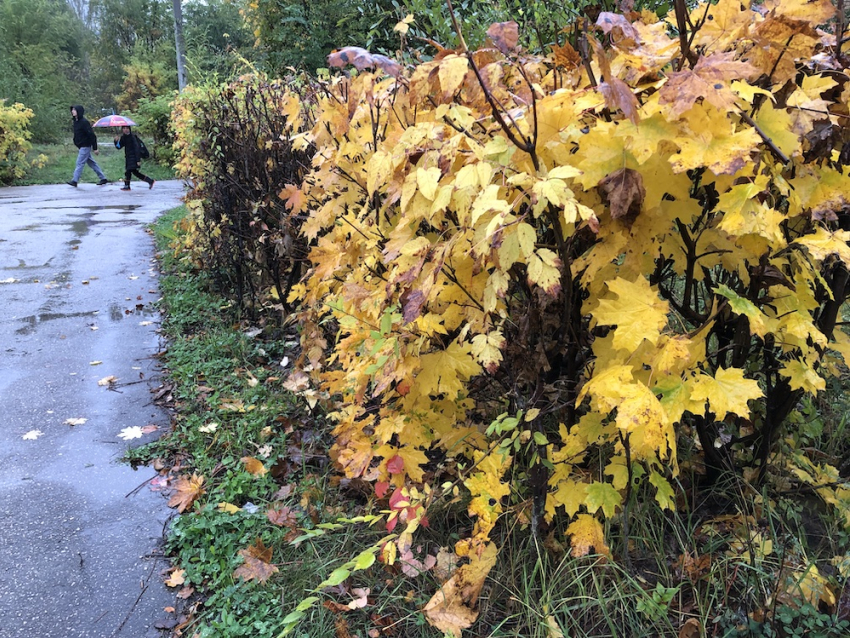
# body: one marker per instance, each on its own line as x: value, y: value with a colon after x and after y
x: 114, y: 120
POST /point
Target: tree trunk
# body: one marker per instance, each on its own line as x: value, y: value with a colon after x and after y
x: 180, y: 43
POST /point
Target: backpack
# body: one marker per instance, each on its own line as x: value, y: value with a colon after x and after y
x: 144, y: 153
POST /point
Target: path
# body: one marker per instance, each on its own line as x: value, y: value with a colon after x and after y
x: 77, y: 285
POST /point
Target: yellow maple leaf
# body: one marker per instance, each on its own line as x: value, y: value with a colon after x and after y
x: 585, y: 534
x: 445, y: 371
x: 728, y: 391
x: 487, y: 348
x: 544, y: 270
x: 802, y: 376
x: 637, y: 312
x: 823, y: 243
x: 451, y: 609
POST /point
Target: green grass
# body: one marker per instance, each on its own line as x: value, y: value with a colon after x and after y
x: 62, y: 158
x: 680, y: 567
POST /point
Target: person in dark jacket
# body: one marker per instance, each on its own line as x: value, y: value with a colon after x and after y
x: 86, y: 141
x: 132, y: 157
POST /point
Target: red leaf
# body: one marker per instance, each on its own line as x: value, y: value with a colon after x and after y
x: 395, y: 465
x: 381, y: 489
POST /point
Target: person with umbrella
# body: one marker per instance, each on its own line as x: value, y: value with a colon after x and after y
x: 86, y: 141
x: 132, y: 157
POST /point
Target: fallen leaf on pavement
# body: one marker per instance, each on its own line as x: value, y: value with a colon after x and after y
x: 75, y: 421
x: 147, y: 429
x: 185, y: 592
x: 177, y: 578
x: 95, y: 363
x: 133, y: 432
x: 32, y: 435
x: 110, y: 380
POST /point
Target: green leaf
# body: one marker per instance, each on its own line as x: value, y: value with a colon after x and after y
x: 364, y: 560
x: 540, y: 438
x: 665, y: 496
x: 337, y: 576
x: 602, y: 495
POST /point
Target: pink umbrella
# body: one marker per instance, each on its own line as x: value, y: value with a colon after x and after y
x: 114, y: 120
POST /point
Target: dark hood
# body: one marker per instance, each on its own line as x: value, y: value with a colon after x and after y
x: 81, y: 112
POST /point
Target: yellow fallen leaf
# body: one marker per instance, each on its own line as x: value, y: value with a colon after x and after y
x: 177, y: 578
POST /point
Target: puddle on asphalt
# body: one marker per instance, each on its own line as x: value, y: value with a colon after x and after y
x: 116, y: 312
x: 125, y: 208
x: 31, y: 322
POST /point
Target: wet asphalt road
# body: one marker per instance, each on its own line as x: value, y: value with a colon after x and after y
x: 77, y: 285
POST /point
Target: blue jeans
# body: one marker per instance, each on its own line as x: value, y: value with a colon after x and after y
x: 84, y: 157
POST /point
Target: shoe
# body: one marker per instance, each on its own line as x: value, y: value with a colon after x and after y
x: 74, y: 184
x: 151, y: 183
x: 103, y: 181
x: 126, y: 188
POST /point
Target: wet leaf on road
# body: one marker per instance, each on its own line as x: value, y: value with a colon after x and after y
x: 108, y: 381
x: 32, y: 435
x: 133, y: 432
x: 177, y: 578
x: 75, y: 421
x: 95, y: 363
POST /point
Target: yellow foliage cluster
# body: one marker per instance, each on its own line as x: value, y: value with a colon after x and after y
x: 14, y: 141
x: 518, y: 260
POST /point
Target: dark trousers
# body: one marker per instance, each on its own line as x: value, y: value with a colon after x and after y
x: 137, y: 173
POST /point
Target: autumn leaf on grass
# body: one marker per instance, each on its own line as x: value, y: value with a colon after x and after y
x: 186, y: 491
x: 727, y: 392
x: 451, y: 609
x: 637, y: 312
x: 284, y: 517
x: 254, y: 466
x: 586, y: 533
x: 709, y: 80
x: 257, y: 563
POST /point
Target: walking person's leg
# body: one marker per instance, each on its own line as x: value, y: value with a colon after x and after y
x: 149, y: 180
x: 97, y: 170
x: 127, y: 175
x: 82, y: 157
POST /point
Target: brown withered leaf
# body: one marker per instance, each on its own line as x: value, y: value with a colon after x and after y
x: 254, y: 466
x: 566, y: 56
x: 624, y: 193
x: 505, y: 36
x: 362, y: 59
x: 709, y: 79
x: 618, y: 96
x: 284, y: 517
x: 412, y: 302
x: 691, y: 629
x: 187, y: 490
x: 257, y: 563
x: 622, y: 33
